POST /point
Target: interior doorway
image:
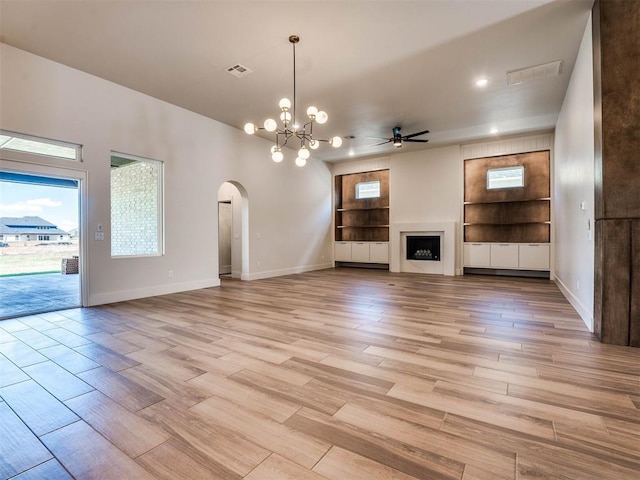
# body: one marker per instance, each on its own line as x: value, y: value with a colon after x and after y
x: 233, y: 230
x: 225, y: 236
x: 40, y: 242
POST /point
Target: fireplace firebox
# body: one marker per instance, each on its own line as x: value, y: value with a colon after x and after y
x: 423, y: 248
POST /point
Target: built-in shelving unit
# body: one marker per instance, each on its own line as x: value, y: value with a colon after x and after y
x: 361, y: 224
x: 515, y: 215
x: 361, y: 219
x: 508, y: 228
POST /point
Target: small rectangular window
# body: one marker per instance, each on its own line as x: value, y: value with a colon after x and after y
x: 136, y: 206
x: 38, y: 146
x: 507, y: 177
x: 368, y: 190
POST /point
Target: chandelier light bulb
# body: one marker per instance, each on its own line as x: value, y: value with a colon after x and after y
x: 312, y: 112
x: 314, y: 144
x: 322, y: 117
x: 304, y: 153
x: 270, y: 125
x: 285, y: 116
x: 335, y: 142
x: 250, y: 128
x: 284, y: 104
x: 301, y: 162
x: 277, y: 155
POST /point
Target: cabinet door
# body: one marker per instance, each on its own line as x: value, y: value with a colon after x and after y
x: 360, y: 252
x: 342, y: 252
x: 504, y: 255
x: 534, y: 256
x: 477, y: 255
x: 379, y: 252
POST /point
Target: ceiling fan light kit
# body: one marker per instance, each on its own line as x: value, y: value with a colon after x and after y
x: 290, y: 130
x: 398, y: 138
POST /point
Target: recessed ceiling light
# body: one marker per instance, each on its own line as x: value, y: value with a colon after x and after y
x: 351, y: 152
x: 493, y: 131
x: 482, y: 82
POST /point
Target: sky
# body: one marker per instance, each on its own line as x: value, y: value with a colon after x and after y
x: 53, y: 204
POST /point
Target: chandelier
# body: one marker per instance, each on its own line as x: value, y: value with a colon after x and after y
x: 290, y: 130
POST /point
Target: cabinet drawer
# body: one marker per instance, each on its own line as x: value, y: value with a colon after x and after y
x: 360, y: 252
x: 504, y: 255
x: 534, y: 256
x: 379, y: 252
x: 477, y: 255
x: 342, y: 252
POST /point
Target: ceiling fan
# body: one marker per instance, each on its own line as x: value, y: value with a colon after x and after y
x: 398, y: 138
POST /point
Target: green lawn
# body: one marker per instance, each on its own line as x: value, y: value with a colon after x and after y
x: 21, y: 260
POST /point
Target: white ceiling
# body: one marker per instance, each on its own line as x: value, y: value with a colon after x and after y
x: 371, y: 65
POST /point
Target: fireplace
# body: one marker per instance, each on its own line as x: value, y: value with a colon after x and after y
x: 446, y: 263
x: 423, y: 247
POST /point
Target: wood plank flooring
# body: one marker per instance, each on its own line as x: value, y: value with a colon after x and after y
x: 339, y: 374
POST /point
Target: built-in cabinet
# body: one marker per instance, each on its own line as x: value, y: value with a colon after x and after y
x: 362, y: 252
x: 507, y: 226
x: 519, y: 256
x: 362, y: 217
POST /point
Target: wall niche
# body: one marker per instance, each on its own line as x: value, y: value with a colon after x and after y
x: 364, y: 219
x: 520, y: 214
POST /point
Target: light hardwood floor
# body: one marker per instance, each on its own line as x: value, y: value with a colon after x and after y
x: 336, y: 374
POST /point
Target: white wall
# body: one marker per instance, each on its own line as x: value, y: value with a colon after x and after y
x: 424, y: 186
x: 574, y: 184
x: 289, y: 206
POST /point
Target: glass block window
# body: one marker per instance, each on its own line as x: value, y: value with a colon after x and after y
x: 136, y: 206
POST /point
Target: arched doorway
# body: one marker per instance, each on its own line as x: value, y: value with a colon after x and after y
x: 233, y: 230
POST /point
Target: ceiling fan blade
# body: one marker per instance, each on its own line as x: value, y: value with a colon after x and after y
x: 412, y: 140
x: 379, y: 138
x: 415, y: 134
x: 382, y: 143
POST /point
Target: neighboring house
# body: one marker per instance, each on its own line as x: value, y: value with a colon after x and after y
x: 30, y: 229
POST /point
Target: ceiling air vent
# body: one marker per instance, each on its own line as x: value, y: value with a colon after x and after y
x: 239, y: 70
x: 518, y: 77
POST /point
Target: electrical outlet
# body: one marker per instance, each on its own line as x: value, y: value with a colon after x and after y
x: 578, y: 284
x: 170, y: 273
x: 258, y: 264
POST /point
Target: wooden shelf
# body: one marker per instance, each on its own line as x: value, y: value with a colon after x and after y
x: 508, y: 223
x: 363, y: 226
x: 546, y: 199
x: 360, y: 209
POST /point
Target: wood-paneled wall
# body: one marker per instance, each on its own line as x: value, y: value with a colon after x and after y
x: 515, y: 215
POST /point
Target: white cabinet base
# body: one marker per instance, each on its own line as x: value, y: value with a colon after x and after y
x: 361, y: 252
x: 507, y: 256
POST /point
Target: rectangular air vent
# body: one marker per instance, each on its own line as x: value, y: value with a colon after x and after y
x: 239, y: 70
x: 524, y: 75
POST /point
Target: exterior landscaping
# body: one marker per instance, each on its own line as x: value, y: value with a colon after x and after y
x: 24, y: 258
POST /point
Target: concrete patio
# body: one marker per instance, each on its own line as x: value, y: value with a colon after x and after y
x: 28, y: 294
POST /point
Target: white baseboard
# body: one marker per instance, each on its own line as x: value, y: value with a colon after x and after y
x: 585, y: 313
x: 286, y: 271
x: 133, y: 294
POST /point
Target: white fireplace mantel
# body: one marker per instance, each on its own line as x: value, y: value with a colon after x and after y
x: 447, y: 248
